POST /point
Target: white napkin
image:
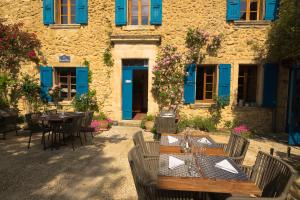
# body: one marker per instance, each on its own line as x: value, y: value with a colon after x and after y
x: 204, y: 141
x: 225, y: 165
x: 172, y: 139
x: 175, y: 162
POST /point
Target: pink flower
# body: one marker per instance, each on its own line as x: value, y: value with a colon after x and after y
x: 241, y: 129
x: 31, y: 54
x: 95, y: 125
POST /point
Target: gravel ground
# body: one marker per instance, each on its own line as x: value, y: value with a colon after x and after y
x: 97, y: 170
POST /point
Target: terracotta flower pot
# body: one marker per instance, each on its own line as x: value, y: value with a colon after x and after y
x: 149, y: 125
x: 103, y: 125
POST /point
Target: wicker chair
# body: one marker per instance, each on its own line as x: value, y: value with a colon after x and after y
x: 86, y: 124
x: 72, y: 129
x: 165, y: 125
x: 272, y: 175
x: 149, y: 148
x: 144, y: 172
x: 236, y: 148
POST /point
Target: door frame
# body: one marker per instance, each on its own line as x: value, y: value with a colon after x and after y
x: 129, y: 95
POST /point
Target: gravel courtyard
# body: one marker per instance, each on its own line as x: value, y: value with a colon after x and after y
x: 97, y: 170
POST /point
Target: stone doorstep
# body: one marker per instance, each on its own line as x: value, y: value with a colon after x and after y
x: 130, y: 123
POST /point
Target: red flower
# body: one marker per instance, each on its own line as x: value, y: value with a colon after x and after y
x: 31, y: 54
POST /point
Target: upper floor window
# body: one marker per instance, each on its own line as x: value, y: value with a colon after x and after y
x: 138, y: 12
x: 251, y: 9
x: 66, y: 11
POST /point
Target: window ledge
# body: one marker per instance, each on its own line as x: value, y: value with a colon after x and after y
x: 199, y: 105
x: 65, y: 26
x: 138, y: 27
x: 251, y: 24
x: 62, y: 103
x: 249, y: 108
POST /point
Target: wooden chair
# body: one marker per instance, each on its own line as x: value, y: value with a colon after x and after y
x: 237, y: 147
x: 8, y: 121
x: 86, y: 124
x: 272, y: 175
x: 144, y: 172
x: 71, y: 129
x: 149, y: 148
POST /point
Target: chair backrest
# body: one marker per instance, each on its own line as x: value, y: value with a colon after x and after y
x: 139, y: 173
x: 32, y: 120
x: 138, y: 139
x: 53, y: 111
x: 237, y: 145
x: 272, y: 175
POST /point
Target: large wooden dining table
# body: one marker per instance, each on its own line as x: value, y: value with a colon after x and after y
x: 209, y: 178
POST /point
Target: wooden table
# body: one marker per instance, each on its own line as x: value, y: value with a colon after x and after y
x: 203, y: 183
x: 212, y: 151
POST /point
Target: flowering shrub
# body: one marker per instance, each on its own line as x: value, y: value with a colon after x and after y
x: 86, y: 102
x: 241, y: 129
x: 168, y: 78
x: 95, y: 125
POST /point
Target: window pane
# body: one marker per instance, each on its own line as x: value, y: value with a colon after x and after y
x: 145, y: 2
x: 253, y: 16
x: 64, y: 19
x: 64, y: 10
x: 145, y: 20
x: 64, y: 1
x: 208, y: 87
x: 73, y: 1
x: 209, y: 70
x: 134, y: 20
x: 243, y: 5
x: 73, y: 19
x: 73, y: 10
x: 134, y: 3
x: 243, y: 16
x: 209, y: 79
x: 253, y: 6
x: 208, y: 95
x: 134, y: 11
x: 145, y: 10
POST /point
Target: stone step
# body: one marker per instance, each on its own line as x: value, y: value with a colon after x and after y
x: 130, y: 123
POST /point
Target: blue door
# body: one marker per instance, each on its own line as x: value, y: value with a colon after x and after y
x: 127, y: 93
x: 294, y: 108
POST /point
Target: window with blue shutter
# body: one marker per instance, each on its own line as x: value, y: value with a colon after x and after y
x: 81, y: 11
x: 82, y: 85
x: 270, y: 85
x: 48, y: 12
x: 156, y: 12
x: 46, y: 82
x: 224, y: 81
x: 271, y: 9
x: 121, y: 12
x: 233, y: 10
x: 190, y: 84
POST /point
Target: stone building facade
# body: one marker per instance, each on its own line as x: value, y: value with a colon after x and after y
x: 88, y: 41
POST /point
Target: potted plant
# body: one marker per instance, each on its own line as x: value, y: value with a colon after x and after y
x: 148, y: 122
x: 102, y: 122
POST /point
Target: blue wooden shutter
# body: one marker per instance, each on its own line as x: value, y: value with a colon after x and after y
x: 46, y: 82
x: 82, y: 85
x: 190, y: 84
x: 271, y: 9
x: 224, y: 81
x: 233, y: 10
x: 121, y: 12
x: 48, y: 12
x: 156, y: 12
x: 81, y: 11
x: 270, y: 85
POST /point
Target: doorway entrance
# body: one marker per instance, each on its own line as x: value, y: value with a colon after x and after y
x: 294, y: 108
x: 134, y: 89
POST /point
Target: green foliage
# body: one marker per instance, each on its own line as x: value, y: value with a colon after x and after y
x: 86, y: 102
x: 184, y: 123
x: 215, y: 109
x: 228, y: 124
x: 204, y: 124
x: 107, y: 57
x: 284, y: 37
x: 90, y: 73
x: 196, y: 40
x: 145, y: 119
x: 101, y: 116
x: 30, y: 89
x: 167, y: 88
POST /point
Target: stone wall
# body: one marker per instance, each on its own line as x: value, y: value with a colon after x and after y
x: 89, y: 42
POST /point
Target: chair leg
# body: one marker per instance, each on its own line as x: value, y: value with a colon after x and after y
x: 85, y: 136
x: 29, y: 140
x: 72, y: 139
x: 92, y: 134
x: 79, y: 135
